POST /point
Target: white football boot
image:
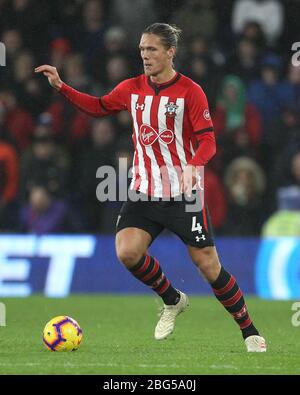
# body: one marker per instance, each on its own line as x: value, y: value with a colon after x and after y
x: 166, y: 324
x: 256, y: 344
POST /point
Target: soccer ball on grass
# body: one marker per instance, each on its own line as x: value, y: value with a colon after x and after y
x: 62, y: 333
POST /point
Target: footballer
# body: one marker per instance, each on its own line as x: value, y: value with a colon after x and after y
x: 173, y: 136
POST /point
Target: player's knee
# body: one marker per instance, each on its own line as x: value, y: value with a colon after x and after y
x: 202, y: 259
x: 205, y: 266
x: 128, y: 256
x: 208, y: 264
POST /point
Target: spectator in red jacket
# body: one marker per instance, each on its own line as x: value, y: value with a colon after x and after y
x: 9, y: 172
x: 18, y: 123
x: 215, y: 198
x: 9, y: 178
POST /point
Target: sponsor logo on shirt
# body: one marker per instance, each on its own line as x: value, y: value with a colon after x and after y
x: 148, y: 135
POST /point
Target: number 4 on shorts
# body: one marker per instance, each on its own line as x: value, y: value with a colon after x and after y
x: 196, y: 227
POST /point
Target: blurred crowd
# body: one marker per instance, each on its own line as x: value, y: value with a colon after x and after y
x: 238, y: 51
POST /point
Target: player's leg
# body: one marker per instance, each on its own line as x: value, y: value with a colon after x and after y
x: 131, y: 248
x: 135, y: 232
x: 131, y: 245
x: 195, y: 230
x: 228, y: 293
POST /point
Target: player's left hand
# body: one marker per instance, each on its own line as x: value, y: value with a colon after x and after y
x: 188, y: 180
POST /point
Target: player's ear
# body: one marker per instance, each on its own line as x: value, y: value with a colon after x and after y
x: 171, y: 52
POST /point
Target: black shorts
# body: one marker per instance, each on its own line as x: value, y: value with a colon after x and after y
x: 194, y: 228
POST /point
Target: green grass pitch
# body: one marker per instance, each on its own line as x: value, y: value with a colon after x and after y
x: 118, y: 338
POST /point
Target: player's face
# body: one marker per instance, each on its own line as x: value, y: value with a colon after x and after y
x: 156, y: 58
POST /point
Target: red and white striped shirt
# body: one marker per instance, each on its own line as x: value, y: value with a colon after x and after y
x: 170, y: 120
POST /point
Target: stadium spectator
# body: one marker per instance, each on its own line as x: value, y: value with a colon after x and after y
x: 123, y: 15
x: 292, y: 86
x: 44, y: 162
x: 70, y: 125
x: 282, y: 132
x: 215, y: 198
x: 9, y: 172
x: 237, y: 122
x: 117, y: 69
x: 123, y: 124
x: 115, y: 44
x: 23, y: 65
x: 9, y: 180
x: 291, y: 27
x: 29, y: 92
x: 197, y: 17
x: 31, y: 19
x: 88, y: 36
x: 285, y: 222
x: 245, y: 183
x: 46, y: 214
x: 4, y: 135
x: 13, y: 42
x: 123, y: 160
x: 98, y: 152
x: 115, y: 40
x: 18, y: 122
x: 63, y: 16
x: 244, y: 60
x: 285, y: 171
x: 59, y: 49
x: 269, y: 93
x: 287, y: 168
x: 197, y: 46
x: 268, y: 13
x: 74, y: 72
x: 252, y: 31
x: 199, y: 65
x: 203, y: 62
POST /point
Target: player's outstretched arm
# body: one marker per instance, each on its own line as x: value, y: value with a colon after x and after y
x: 86, y: 103
x: 51, y: 73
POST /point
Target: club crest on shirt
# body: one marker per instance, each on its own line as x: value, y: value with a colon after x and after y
x: 171, y: 108
x: 148, y: 135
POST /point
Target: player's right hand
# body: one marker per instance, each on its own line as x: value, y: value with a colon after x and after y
x: 51, y: 73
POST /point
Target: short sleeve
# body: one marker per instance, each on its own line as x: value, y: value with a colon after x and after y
x: 198, y: 110
x: 115, y: 101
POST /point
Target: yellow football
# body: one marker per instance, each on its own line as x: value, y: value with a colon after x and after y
x: 62, y: 333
